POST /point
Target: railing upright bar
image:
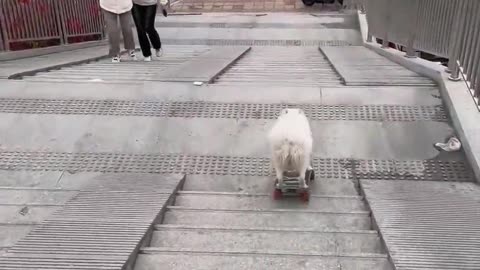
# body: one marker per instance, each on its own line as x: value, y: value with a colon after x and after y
x: 456, y: 40
x: 413, y: 30
x: 3, y: 29
x: 471, y: 52
x: 61, y: 21
x: 476, y: 85
x: 387, y: 23
x: 467, y: 49
x: 474, y: 61
x: 368, y: 4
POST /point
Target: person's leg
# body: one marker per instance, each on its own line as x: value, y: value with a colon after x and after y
x: 139, y: 18
x: 128, y: 40
x: 111, y: 20
x: 150, y: 15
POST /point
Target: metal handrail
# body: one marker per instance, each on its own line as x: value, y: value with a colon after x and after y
x: 60, y: 21
x: 446, y: 28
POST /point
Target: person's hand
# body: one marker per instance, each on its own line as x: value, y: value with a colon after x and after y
x: 164, y: 12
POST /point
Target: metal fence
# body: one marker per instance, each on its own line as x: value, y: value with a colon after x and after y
x: 48, y: 21
x: 446, y: 28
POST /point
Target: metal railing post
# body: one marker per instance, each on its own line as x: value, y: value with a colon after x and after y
x: 57, y: 6
x: 369, y: 33
x: 387, y: 24
x: 4, y: 44
x: 413, y: 30
x: 456, y: 40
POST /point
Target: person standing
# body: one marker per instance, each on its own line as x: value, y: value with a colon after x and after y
x: 144, y: 13
x: 115, y: 10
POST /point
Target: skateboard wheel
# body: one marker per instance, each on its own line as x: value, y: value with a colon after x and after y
x: 305, y: 196
x: 310, y: 175
x: 277, y: 194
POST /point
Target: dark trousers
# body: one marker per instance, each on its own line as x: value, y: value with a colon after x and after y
x: 144, y: 17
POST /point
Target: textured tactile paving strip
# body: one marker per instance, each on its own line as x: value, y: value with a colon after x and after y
x: 427, y: 225
x: 100, y: 228
x: 350, y: 24
x: 199, y: 109
x: 256, y: 42
x: 437, y: 170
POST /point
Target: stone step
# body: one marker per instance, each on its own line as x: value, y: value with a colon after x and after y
x: 226, y: 200
x: 259, y: 184
x: 181, y: 259
x: 219, y: 239
x: 268, y: 218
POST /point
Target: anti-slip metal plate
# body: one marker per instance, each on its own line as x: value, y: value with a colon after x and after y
x: 255, y: 42
x: 435, y: 170
x: 221, y: 110
x: 98, y: 228
x: 427, y: 225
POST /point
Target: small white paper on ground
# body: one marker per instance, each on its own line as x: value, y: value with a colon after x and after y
x: 452, y: 145
x: 198, y: 83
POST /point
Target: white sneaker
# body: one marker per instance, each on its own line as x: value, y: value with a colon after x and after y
x: 159, y: 52
x: 116, y: 59
x: 133, y: 56
x: 147, y: 59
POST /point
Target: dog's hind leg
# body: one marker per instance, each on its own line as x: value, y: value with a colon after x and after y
x: 278, y: 170
x: 303, y: 173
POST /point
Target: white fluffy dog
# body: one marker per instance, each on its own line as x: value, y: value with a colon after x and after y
x: 291, y: 143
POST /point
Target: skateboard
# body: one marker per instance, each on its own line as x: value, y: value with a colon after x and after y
x: 291, y: 185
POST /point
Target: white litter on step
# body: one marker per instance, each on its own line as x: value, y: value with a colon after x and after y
x: 96, y: 80
x: 452, y: 145
x: 198, y: 83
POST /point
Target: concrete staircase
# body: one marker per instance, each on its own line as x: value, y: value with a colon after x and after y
x: 214, y: 228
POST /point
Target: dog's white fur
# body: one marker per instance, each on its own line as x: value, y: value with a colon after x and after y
x: 291, y: 144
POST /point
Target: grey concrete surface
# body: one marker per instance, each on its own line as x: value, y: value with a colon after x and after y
x: 336, y: 213
x: 34, y: 196
x: 263, y: 201
x: 186, y: 261
x: 255, y: 184
x: 270, y: 219
x: 390, y: 140
x: 163, y: 91
x: 13, y: 214
x: 264, y: 241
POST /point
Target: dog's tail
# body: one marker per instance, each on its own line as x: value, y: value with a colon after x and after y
x: 292, y: 154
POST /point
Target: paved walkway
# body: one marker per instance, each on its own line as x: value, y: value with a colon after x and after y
x: 75, y: 136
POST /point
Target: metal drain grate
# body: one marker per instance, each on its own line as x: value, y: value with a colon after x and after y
x: 255, y: 42
x: 435, y: 170
x: 221, y: 110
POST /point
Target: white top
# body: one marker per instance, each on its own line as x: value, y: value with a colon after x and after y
x: 116, y: 6
x: 145, y: 2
